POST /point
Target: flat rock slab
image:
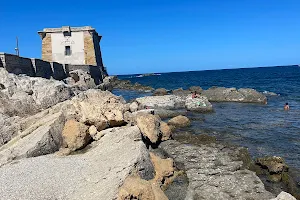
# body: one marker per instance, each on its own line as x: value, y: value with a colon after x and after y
x: 96, y: 174
x: 215, y: 173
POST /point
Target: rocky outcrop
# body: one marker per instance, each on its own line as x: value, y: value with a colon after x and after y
x: 166, y: 102
x: 80, y: 80
x: 181, y: 92
x: 244, y: 95
x: 96, y: 174
x: 196, y: 89
x: 112, y: 82
x: 149, y: 126
x: 179, y: 121
x: 199, y: 104
x: 160, y: 92
x: 215, y: 172
x: 25, y: 95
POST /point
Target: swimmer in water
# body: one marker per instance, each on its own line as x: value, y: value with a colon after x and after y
x: 287, y: 107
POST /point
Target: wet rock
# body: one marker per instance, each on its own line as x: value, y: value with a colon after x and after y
x: 160, y: 92
x: 284, y: 196
x: 209, y: 169
x: 75, y: 135
x: 244, y: 95
x: 199, y: 104
x: 149, y: 126
x: 112, y: 82
x: 179, y: 121
x: 164, y: 113
x: 274, y: 164
x: 165, y: 102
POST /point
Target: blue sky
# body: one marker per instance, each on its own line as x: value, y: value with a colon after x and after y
x: 141, y: 36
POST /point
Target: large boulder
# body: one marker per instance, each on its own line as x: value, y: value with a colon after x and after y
x: 99, y: 108
x: 80, y: 79
x: 166, y: 131
x: 284, y: 196
x: 149, y: 126
x: 75, y: 135
x: 166, y: 102
x: 181, y: 92
x: 196, y: 89
x: 96, y: 174
x: 199, y: 104
x: 29, y: 95
x: 222, y: 94
x: 179, y: 121
x: 136, y: 188
x: 37, y: 135
x: 160, y: 92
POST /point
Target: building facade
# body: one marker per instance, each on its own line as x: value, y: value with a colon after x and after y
x: 71, y: 45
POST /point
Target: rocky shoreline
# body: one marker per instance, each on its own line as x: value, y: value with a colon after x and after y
x: 71, y: 140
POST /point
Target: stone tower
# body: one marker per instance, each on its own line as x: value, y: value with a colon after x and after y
x: 71, y: 45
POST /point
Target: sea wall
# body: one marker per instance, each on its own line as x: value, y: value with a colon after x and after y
x: 40, y: 68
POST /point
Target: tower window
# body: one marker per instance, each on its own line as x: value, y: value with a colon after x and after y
x: 67, y: 50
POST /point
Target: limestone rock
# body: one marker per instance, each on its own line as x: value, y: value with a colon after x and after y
x: 160, y: 92
x: 164, y: 168
x: 166, y: 102
x: 41, y: 135
x: 29, y: 95
x: 149, y: 126
x: 81, y: 79
x: 179, y: 121
x: 93, y: 131
x: 274, y: 164
x: 284, y: 196
x: 95, y: 174
x: 99, y: 108
x: 181, y: 92
x: 199, y: 104
x: 165, y: 131
x: 222, y: 94
x: 75, y: 135
x: 196, y: 89
x: 136, y: 188
x: 133, y: 107
x: 215, y: 172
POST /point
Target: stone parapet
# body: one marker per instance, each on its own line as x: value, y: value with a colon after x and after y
x: 40, y: 68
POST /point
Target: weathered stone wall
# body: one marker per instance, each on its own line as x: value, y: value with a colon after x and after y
x: 47, y: 48
x: 17, y: 65
x: 59, y: 72
x: 40, y: 68
x: 89, y: 49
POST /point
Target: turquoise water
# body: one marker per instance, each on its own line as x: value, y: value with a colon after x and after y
x: 263, y: 129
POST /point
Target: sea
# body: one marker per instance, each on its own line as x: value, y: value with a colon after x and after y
x: 266, y: 130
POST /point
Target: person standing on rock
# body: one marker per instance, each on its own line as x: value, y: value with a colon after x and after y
x: 286, y: 107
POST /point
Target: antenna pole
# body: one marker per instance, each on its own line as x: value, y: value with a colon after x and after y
x: 17, y: 48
